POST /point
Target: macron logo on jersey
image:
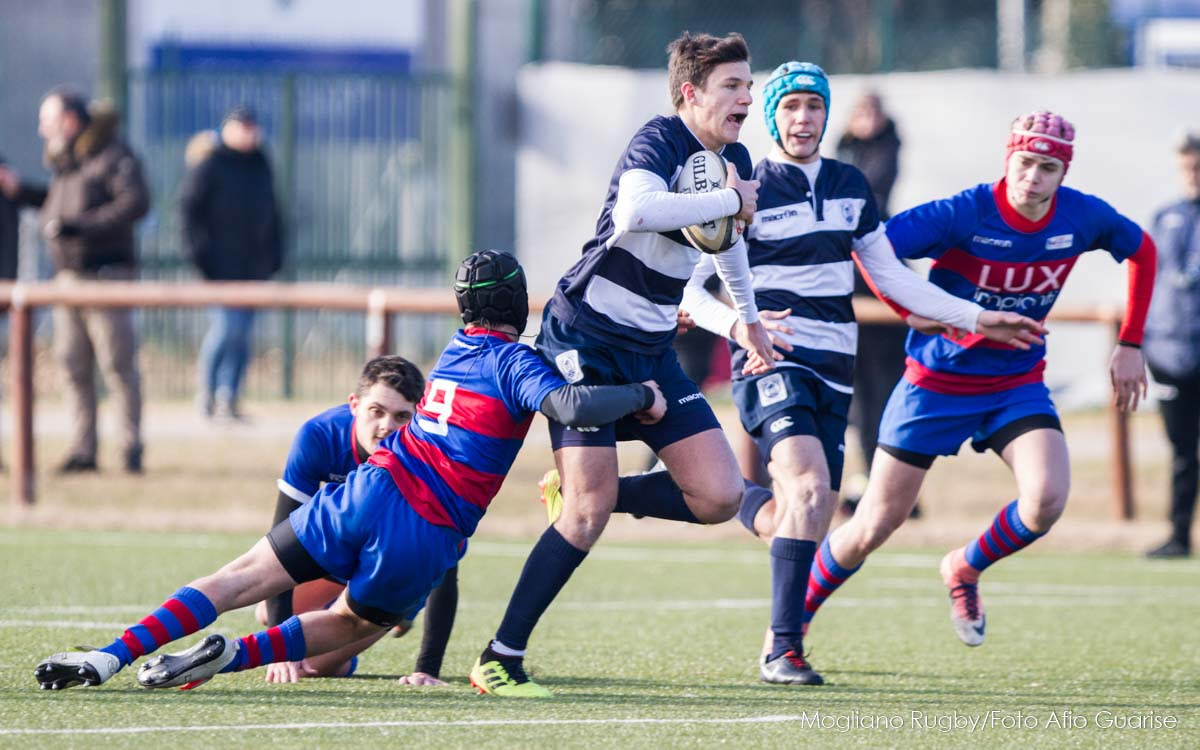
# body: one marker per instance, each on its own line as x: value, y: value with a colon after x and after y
x: 991, y: 241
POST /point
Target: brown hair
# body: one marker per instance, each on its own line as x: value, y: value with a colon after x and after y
x: 1188, y: 142
x: 692, y: 58
x: 396, y: 373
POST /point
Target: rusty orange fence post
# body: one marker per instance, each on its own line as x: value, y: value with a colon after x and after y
x: 1122, y: 472
x: 21, y: 368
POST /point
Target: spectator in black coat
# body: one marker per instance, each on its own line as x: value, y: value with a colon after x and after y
x: 871, y: 144
x: 9, y: 220
x: 232, y: 231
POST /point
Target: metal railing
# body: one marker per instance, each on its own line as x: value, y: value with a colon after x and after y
x: 378, y: 304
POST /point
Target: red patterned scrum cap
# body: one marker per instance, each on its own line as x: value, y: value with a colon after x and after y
x: 1044, y: 134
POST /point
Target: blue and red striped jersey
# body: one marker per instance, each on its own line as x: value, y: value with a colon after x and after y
x: 450, y: 461
x: 984, y: 251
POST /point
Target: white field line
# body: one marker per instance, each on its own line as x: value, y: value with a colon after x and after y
x: 411, y: 724
x: 619, y: 553
x: 669, y: 605
x: 1077, y: 593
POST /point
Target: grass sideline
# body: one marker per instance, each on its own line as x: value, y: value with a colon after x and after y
x: 651, y: 645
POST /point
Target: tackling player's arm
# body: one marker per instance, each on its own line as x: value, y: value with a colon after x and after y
x: 595, y: 405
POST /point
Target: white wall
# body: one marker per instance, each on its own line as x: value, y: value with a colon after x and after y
x: 577, y: 119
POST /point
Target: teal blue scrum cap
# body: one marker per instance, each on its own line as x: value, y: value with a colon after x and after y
x: 788, y: 79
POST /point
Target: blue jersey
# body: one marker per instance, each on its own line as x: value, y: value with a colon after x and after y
x: 984, y: 251
x: 323, y: 451
x: 450, y: 461
x: 626, y: 289
x: 799, y: 249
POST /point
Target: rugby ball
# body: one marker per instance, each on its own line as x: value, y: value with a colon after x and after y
x: 704, y: 171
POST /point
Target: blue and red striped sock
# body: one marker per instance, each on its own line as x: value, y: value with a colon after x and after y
x: 284, y: 642
x: 184, y: 613
x: 825, y: 578
x: 1006, y: 535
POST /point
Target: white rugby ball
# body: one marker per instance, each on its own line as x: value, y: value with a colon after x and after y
x: 704, y: 171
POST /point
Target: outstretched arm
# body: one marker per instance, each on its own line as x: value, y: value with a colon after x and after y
x: 440, y: 610
x: 930, y: 309
x: 892, y: 280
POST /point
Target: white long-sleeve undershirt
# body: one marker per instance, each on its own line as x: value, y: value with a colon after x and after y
x: 892, y: 277
x: 645, y: 204
x: 706, y: 310
x: 910, y: 291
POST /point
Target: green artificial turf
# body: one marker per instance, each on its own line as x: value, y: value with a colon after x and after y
x: 650, y: 645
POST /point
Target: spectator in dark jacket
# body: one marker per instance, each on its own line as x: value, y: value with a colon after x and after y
x: 96, y: 195
x: 871, y: 144
x: 232, y: 232
x: 9, y: 221
x: 1172, y: 344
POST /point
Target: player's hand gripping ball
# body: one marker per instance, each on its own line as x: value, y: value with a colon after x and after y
x: 703, y: 172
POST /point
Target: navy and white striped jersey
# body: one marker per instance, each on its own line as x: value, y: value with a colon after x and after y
x: 800, y: 245
x: 627, y: 287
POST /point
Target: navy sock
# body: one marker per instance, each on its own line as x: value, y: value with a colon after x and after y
x: 791, y: 560
x: 753, y: 499
x: 655, y: 495
x: 549, y: 567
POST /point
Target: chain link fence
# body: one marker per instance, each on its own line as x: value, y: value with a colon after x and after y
x: 360, y: 170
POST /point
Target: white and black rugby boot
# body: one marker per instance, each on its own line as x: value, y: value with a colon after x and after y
x: 86, y: 668
x: 190, y: 668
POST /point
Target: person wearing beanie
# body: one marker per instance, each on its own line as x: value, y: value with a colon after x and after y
x: 1007, y: 245
x: 815, y: 216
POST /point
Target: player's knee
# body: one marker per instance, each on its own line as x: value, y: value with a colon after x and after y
x: 877, y: 528
x: 260, y: 613
x: 1046, y: 510
x: 806, y: 494
x: 720, y: 502
x: 584, y: 517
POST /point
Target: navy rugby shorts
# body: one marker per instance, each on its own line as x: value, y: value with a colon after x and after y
x: 583, y: 360
x: 789, y: 401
